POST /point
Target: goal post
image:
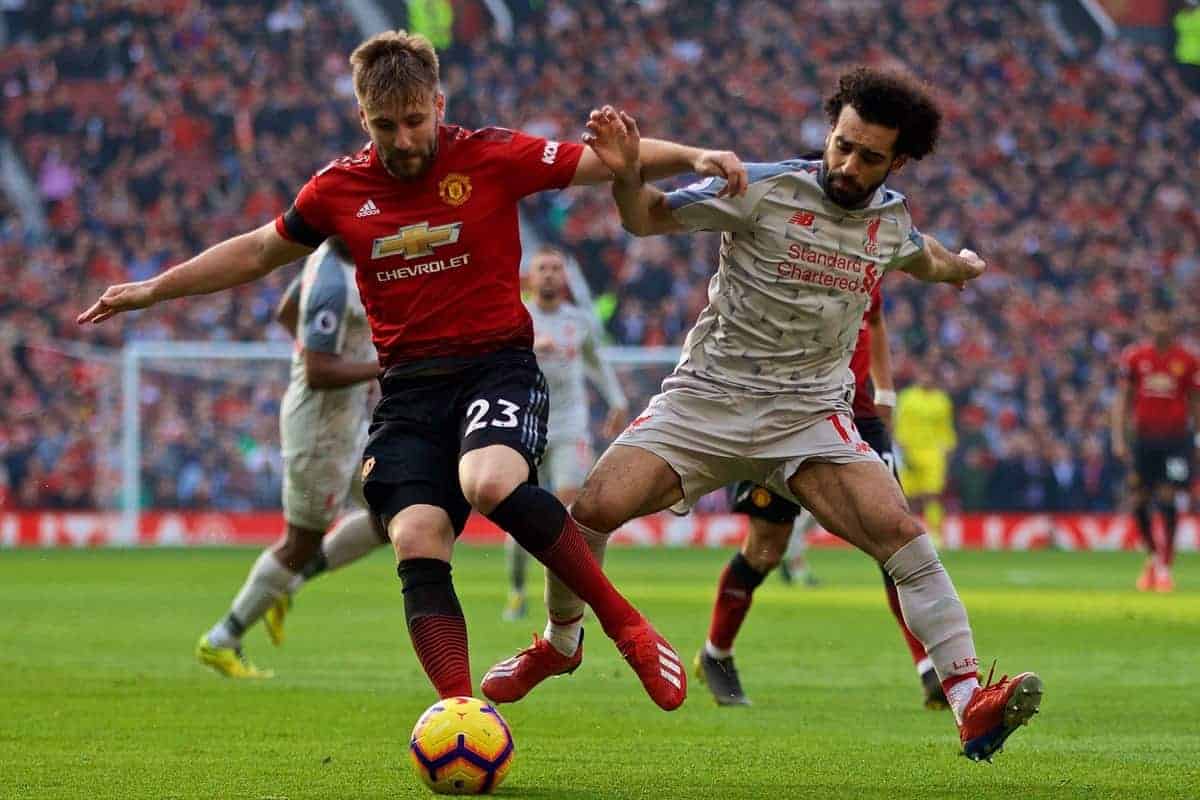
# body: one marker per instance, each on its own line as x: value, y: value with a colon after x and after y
x: 189, y: 370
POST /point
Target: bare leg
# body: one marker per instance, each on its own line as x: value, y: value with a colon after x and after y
x: 626, y: 482
x: 862, y: 503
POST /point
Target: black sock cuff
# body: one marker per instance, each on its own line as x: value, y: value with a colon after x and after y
x: 428, y: 590
x: 743, y: 573
x: 417, y: 572
x: 533, y: 516
x: 234, y: 624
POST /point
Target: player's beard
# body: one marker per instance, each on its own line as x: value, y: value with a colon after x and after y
x: 410, y: 164
x: 845, y: 191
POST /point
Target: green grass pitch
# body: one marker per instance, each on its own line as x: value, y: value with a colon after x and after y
x: 100, y: 696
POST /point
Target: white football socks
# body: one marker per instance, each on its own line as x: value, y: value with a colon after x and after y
x: 352, y: 538
x: 562, y: 603
x: 959, y: 695
x: 936, y: 616
x: 267, y: 580
x: 564, y: 636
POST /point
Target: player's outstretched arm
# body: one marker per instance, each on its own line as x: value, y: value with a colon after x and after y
x: 660, y: 159
x: 232, y: 262
x: 614, y: 140
x: 935, y: 264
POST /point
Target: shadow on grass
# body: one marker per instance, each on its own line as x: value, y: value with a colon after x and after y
x: 556, y: 792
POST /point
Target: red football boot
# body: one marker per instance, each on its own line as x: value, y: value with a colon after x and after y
x: 995, y: 711
x: 1145, y: 581
x: 515, y: 677
x: 1162, y: 579
x: 656, y: 663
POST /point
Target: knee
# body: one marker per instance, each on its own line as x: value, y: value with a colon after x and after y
x: 299, y: 545
x: 417, y: 534
x: 765, y: 546
x: 485, y: 489
x: 591, y: 514
x: 906, y: 528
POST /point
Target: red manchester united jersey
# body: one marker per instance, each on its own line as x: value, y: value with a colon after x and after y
x: 437, y: 257
x: 1163, y: 382
x: 860, y: 362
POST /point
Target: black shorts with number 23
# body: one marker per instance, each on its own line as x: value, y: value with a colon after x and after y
x: 434, y: 411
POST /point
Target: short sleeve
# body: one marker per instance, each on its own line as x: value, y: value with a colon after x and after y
x: 912, y: 244
x: 534, y: 164
x: 698, y: 207
x: 306, y: 222
x: 323, y: 309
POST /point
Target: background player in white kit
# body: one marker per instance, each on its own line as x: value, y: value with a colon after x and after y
x: 762, y: 390
x: 323, y: 429
x: 568, y: 351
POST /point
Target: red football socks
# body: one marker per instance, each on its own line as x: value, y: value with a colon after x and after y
x: 735, y: 589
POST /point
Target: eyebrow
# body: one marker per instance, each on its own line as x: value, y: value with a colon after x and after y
x: 863, y: 148
x: 387, y: 116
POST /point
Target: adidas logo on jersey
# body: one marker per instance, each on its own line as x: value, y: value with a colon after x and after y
x: 369, y: 209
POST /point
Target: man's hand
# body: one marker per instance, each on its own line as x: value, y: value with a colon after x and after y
x: 724, y: 164
x: 972, y: 260
x: 614, y: 138
x: 614, y: 423
x: 117, y: 299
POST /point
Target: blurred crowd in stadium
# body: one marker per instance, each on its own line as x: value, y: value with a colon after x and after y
x: 153, y: 129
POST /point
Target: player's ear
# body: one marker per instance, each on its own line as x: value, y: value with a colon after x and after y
x: 362, y: 119
x: 898, y: 163
x: 439, y: 103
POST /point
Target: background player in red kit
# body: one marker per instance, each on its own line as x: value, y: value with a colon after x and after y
x: 429, y: 214
x: 1160, y: 380
x: 772, y: 519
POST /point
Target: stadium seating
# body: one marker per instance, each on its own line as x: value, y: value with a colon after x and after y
x: 1069, y: 173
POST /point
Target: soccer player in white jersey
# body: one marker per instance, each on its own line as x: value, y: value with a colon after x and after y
x: 568, y: 351
x: 762, y: 390
x: 323, y: 428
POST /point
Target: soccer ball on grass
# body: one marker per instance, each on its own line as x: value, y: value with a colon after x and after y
x: 461, y: 745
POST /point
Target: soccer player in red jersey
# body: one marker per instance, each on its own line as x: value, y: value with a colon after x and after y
x: 1160, y: 380
x: 429, y: 213
x: 772, y: 519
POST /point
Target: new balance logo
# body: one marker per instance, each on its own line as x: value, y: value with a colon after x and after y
x: 803, y: 218
x: 369, y: 209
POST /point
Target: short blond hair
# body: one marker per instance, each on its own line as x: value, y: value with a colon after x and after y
x: 394, y: 65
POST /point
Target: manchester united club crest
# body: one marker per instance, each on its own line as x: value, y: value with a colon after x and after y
x: 455, y: 189
x: 1179, y: 368
x: 367, y: 466
x: 760, y: 497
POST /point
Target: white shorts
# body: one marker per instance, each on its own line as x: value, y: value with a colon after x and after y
x: 712, y: 439
x: 316, y: 488
x: 566, y: 462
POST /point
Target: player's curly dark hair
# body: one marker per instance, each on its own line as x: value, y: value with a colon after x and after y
x: 892, y: 99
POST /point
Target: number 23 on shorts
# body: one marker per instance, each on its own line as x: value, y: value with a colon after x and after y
x: 503, y: 416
